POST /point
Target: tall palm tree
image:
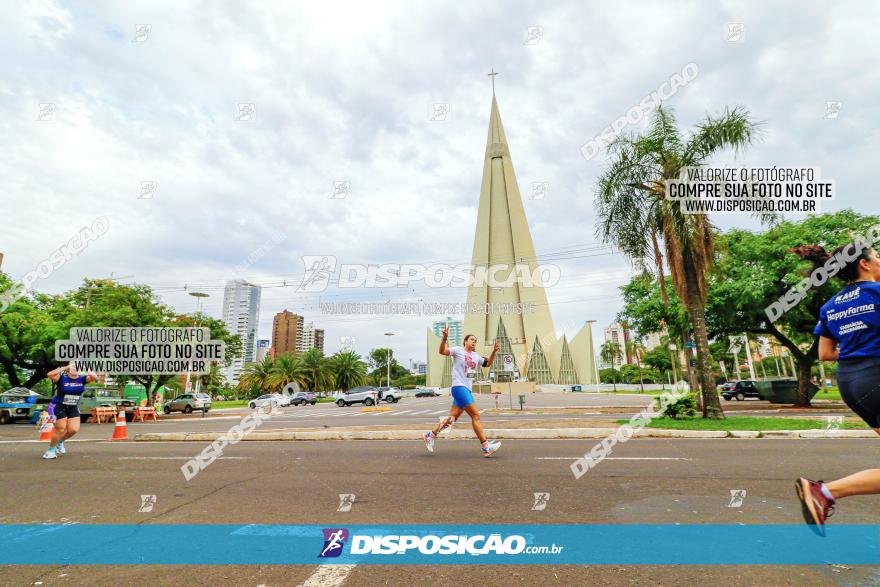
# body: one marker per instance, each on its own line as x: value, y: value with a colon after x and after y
x: 317, y: 370
x: 348, y: 370
x: 610, y: 351
x: 285, y: 369
x: 635, y: 215
x: 256, y: 375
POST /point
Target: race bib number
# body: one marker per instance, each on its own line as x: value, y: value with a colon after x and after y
x: 71, y: 400
x: 470, y: 373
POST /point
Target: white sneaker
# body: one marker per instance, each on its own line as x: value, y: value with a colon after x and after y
x: 429, y: 441
x: 59, y: 448
x: 491, y: 447
x: 49, y: 454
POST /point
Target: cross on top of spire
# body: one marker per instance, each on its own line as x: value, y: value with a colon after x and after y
x: 492, y: 74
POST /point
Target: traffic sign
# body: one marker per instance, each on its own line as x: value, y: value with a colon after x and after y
x: 508, y: 363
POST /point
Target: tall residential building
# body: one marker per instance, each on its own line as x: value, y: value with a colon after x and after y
x: 503, y: 245
x: 455, y: 332
x: 312, y: 338
x: 617, y: 333
x: 241, y: 313
x: 653, y: 340
x: 287, y: 333
x: 262, y: 349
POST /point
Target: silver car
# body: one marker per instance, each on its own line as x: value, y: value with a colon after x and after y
x: 188, y: 402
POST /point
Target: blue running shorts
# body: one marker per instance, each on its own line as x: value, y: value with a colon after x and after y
x: 461, y: 396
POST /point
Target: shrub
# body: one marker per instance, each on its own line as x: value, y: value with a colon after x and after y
x: 684, y: 407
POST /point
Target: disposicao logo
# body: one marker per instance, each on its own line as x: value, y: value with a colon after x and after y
x: 334, y: 541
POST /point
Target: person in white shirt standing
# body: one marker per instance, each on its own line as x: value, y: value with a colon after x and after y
x: 465, y: 362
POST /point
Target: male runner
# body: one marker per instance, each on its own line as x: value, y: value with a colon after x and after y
x: 849, y: 333
x: 465, y: 362
x: 65, y: 404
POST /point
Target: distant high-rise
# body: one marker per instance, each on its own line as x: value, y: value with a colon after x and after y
x: 312, y: 338
x: 262, y: 349
x: 287, y: 333
x: 618, y: 334
x: 241, y: 313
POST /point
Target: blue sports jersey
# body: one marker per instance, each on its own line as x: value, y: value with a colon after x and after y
x: 852, y: 318
x: 70, y: 390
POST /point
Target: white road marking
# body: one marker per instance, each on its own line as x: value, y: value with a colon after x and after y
x: 328, y: 576
x: 420, y: 412
x: 615, y: 458
x: 175, y: 458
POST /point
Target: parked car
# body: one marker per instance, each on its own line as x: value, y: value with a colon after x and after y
x: 739, y: 389
x: 188, y: 402
x: 391, y: 395
x: 365, y: 394
x: 427, y: 393
x: 301, y: 398
x: 93, y: 397
x: 17, y: 404
x: 269, y: 399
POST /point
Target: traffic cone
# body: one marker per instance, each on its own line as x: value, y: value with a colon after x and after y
x: 46, y: 431
x: 119, y: 432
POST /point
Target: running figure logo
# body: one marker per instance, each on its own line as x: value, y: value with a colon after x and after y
x: 737, y: 497
x: 147, y: 503
x: 346, y: 500
x: 541, y: 501
x: 318, y: 268
x: 334, y: 541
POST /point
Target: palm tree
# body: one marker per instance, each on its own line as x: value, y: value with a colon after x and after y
x: 256, y: 375
x: 285, y: 369
x: 635, y: 215
x: 635, y: 348
x: 317, y: 370
x: 348, y: 369
x: 610, y: 351
x: 213, y: 379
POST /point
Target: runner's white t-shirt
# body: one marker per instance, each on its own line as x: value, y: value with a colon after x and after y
x: 464, y: 366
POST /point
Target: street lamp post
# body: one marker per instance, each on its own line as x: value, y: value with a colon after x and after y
x: 388, y: 359
x: 595, y: 365
x: 199, y: 296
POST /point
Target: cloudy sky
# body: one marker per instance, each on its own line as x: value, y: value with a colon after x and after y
x: 345, y: 92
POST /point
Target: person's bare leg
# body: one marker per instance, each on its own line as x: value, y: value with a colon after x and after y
x: 59, y: 433
x: 474, y: 413
x: 72, y: 427
x: 865, y: 482
x: 454, y: 413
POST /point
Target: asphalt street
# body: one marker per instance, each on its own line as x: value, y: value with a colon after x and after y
x: 645, y: 481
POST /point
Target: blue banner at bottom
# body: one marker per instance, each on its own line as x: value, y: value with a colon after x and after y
x: 500, y: 544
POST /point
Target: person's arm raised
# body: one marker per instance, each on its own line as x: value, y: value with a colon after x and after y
x: 443, y: 349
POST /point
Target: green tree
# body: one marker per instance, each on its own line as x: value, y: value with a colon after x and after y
x: 285, y: 369
x: 635, y: 215
x: 257, y: 376
x: 609, y: 351
x: 378, y: 362
x: 318, y: 369
x: 348, y: 370
x: 757, y: 268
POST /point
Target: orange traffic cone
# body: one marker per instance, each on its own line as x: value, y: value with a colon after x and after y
x: 46, y: 431
x: 119, y: 430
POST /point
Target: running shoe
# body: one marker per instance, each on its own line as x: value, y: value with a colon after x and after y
x: 60, y: 448
x: 429, y: 441
x: 50, y: 454
x: 491, y: 447
x: 814, y: 505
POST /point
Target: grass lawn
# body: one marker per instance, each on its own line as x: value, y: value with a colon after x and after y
x: 236, y: 403
x: 831, y: 393
x: 745, y: 423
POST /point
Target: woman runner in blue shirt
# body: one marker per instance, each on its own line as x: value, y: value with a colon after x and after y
x: 849, y: 333
x: 65, y: 404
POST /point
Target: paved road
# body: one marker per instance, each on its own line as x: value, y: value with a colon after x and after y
x: 684, y: 481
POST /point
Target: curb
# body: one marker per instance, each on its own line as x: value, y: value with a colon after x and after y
x: 503, y: 433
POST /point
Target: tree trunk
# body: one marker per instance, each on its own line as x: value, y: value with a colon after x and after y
x: 685, y: 352
x: 697, y: 312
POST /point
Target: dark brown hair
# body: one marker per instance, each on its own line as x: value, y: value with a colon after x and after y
x: 467, y: 336
x: 849, y: 270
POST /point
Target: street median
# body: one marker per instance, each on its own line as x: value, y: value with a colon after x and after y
x: 504, y: 433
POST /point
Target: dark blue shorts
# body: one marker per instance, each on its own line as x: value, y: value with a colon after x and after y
x: 859, y: 382
x: 62, y: 411
x: 462, y: 396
